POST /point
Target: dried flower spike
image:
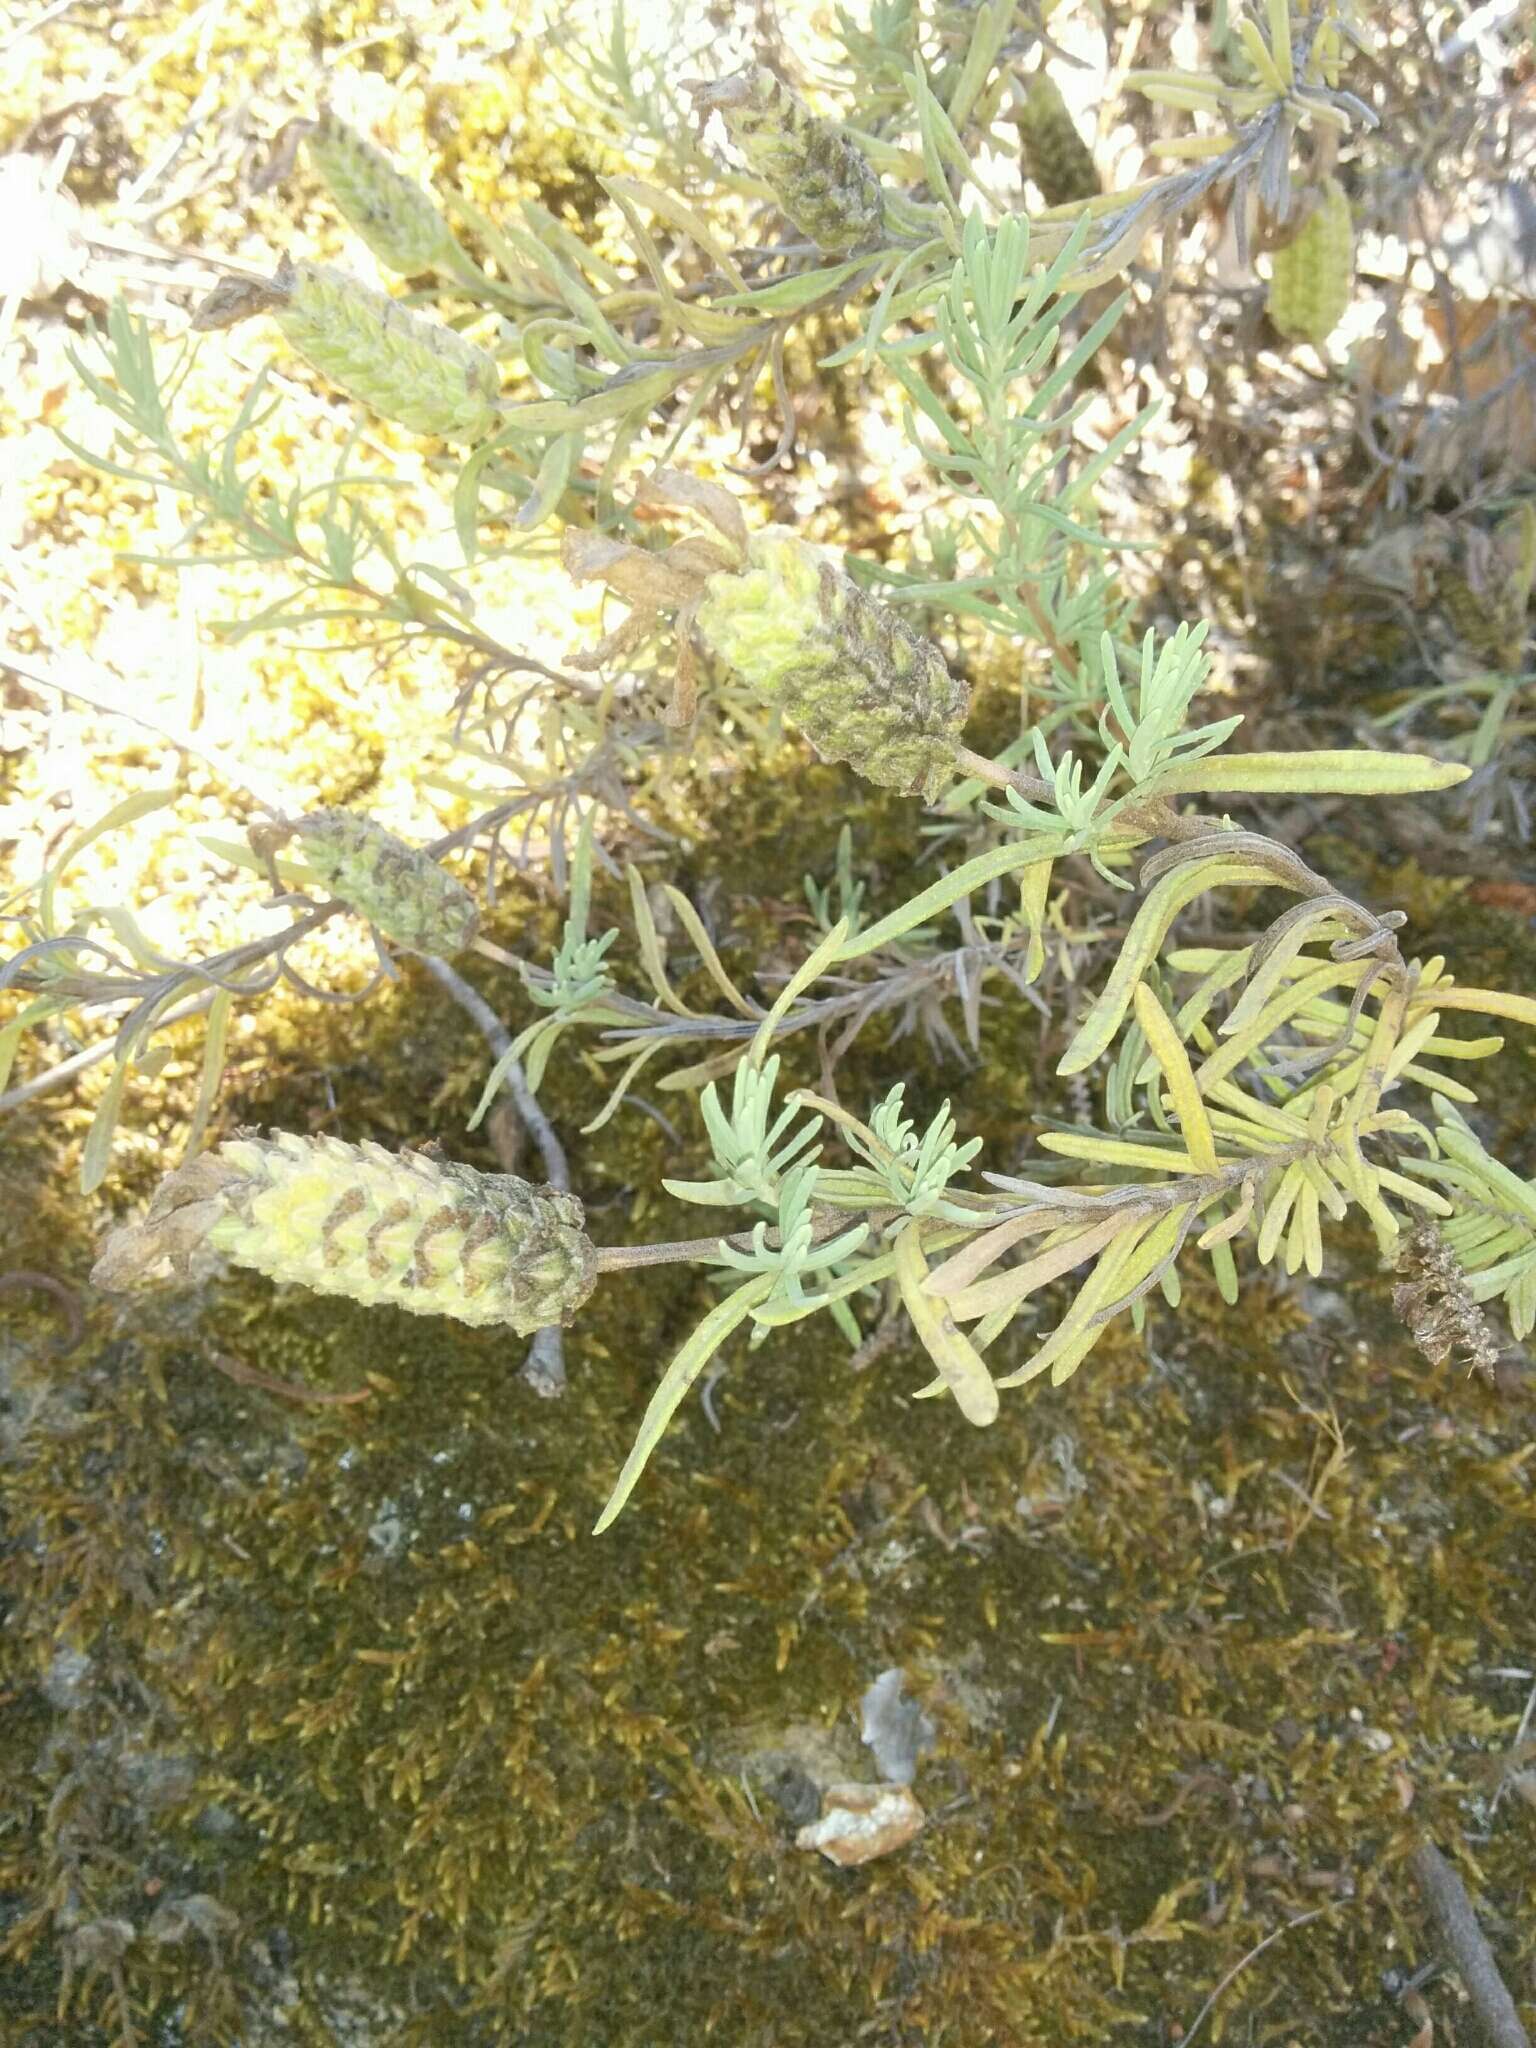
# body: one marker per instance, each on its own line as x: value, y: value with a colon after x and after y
x: 409, y: 1230
x: 860, y: 683
x: 1311, y: 277
x: 1055, y: 155
x: 395, y: 886
x: 1487, y: 603
x: 397, y: 220
x: 1433, y: 1300
x: 824, y: 183
x: 400, y: 364
x: 1490, y: 623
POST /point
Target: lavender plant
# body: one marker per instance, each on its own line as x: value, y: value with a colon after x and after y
x: 1252, y: 1092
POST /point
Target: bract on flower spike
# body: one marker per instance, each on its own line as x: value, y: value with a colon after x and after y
x: 398, y: 221
x: 395, y: 886
x: 824, y: 183
x: 1486, y: 597
x: 406, y: 1229
x: 400, y: 364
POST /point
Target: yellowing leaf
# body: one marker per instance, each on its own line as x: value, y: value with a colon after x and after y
x: 1177, y: 888
x: 1329, y: 772
x: 1174, y: 1061
x: 1116, y: 1151
x: 960, y: 1364
x: 1492, y: 1002
x: 1280, y: 1010
x: 1261, y: 58
x: 1007, y: 1290
x: 1292, y: 1181
x: 1078, y: 1330
x: 1034, y: 891
x: 963, y: 1266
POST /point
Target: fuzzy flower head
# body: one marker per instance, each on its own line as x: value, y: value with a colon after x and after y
x: 398, y: 888
x: 399, y: 222
x: 1312, y: 276
x: 400, y: 364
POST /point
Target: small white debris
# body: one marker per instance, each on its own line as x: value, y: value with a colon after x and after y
x: 895, y: 1727
x: 860, y: 1822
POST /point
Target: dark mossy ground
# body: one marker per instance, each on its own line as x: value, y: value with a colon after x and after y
x: 332, y: 1724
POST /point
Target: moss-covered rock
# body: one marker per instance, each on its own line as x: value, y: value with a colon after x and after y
x: 359, y: 1735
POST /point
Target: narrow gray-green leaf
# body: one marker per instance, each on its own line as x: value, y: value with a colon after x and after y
x: 1350, y: 771
x: 680, y: 1375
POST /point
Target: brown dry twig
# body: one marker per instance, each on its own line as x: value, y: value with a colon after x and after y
x: 1197, y: 1781
x: 1242, y: 1963
x: 1452, y: 1912
x: 245, y: 1375
x: 66, y: 1297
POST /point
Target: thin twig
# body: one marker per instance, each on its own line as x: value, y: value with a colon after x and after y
x: 679, y: 1251
x: 23, y: 29
x: 544, y: 1367
x: 1242, y: 1963
x: 251, y: 1376
x: 513, y: 1079
x: 232, y: 772
x: 996, y: 776
x: 1482, y: 21
x: 1451, y: 1910
x: 65, y: 1296
x: 1520, y: 1735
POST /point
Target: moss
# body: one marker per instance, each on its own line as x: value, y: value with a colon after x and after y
x: 514, y: 112
x: 1210, y: 1634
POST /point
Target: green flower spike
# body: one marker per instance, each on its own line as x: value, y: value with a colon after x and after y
x: 397, y: 220
x: 406, y: 1229
x: 824, y: 184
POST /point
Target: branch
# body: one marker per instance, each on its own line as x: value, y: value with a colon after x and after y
x: 89, y: 1056
x: 544, y: 1367
x: 1242, y: 1963
x: 1451, y: 1910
